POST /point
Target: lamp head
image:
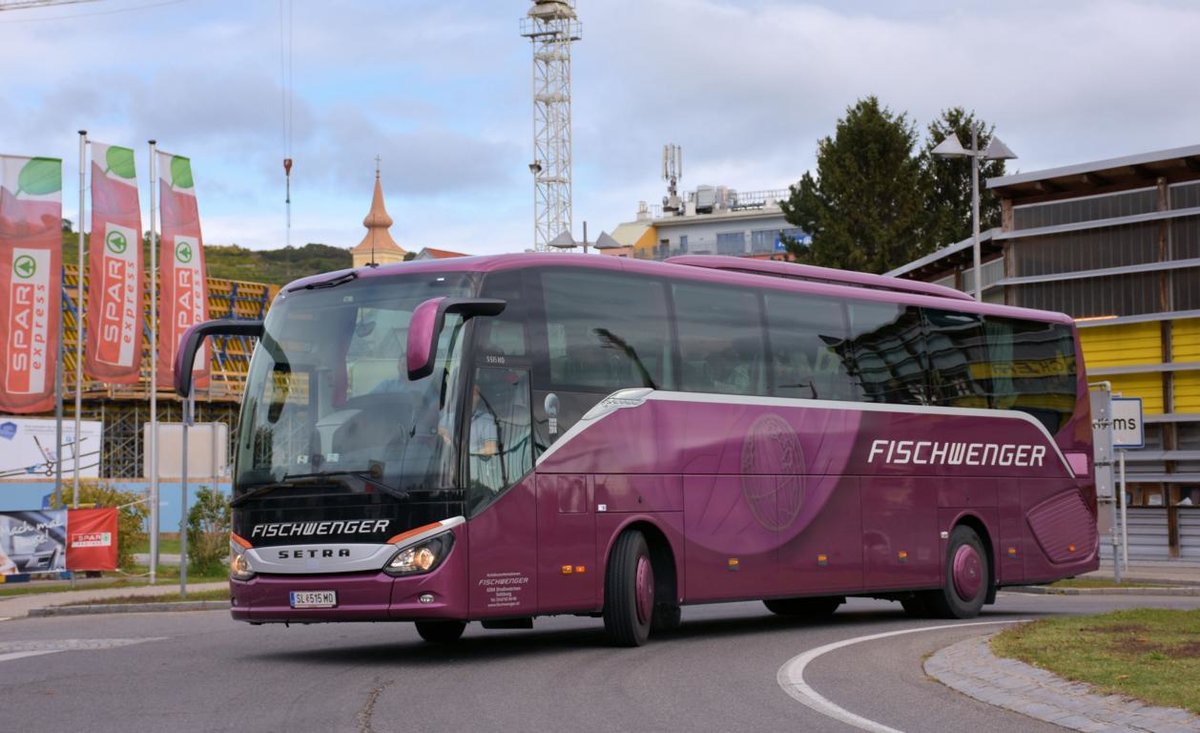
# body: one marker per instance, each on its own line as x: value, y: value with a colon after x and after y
x: 950, y: 148
x: 997, y: 150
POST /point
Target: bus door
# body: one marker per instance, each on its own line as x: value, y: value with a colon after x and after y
x: 501, y: 496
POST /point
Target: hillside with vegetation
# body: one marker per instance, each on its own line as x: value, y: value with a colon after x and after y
x: 274, y: 266
x: 233, y: 262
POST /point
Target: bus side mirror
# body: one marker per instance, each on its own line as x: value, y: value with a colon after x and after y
x: 194, y: 337
x: 426, y: 326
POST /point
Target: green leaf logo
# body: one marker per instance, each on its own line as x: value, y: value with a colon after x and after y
x: 181, y: 172
x: 120, y: 161
x: 116, y: 242
x: 25, y: 267
x: 40, y: 176
x: 183, y: 252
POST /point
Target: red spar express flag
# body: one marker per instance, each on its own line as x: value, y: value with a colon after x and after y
x: 92, y: 539
x: 30, y: 281
x: 184, y: 285
x: 114, y: 309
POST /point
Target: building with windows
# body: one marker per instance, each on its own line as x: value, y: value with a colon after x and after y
x: 711, y: 220
x: 1115, y: 244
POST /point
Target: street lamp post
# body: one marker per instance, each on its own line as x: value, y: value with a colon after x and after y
x: 995, y: 150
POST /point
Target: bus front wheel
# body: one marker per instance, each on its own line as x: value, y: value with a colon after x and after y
x: 440, y: 632
x: 629, y: 591
x: 965, y: 581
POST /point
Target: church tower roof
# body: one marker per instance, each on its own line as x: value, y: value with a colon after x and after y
x: 378, y: 245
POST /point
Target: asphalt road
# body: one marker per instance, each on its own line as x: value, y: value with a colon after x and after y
x: 200, y: 671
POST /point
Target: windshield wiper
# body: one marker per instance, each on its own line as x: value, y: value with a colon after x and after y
x: 361, y: 473
x: 255, y: 493
x: 330, y: 283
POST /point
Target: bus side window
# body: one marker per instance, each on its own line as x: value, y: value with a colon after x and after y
x: 805, y: 333
x: 604, y: 331
x: 1033, y: 369
x: 887, y: 351
x: 958, y: 359
x: 720, y: 339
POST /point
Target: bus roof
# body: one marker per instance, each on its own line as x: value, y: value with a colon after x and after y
x: 815, y: 280
x: 818, y: 274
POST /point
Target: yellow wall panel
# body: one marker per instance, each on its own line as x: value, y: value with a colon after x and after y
x: 1185, y: 340
x: 1187, y: 392
x: 1147, y: 386
x: 1122, y: 345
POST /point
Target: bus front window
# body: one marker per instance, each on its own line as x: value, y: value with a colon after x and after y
x: 328, y: 393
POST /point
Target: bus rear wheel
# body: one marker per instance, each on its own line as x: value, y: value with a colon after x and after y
x: 805, y: 607
x: 965, y: 580
x: 440, y: 632
x: 629, y: 591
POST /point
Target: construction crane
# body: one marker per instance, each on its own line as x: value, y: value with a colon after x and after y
x: 551, y: 26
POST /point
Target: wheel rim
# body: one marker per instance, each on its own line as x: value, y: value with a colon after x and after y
x: 644, y: 589
x: 968, y: 572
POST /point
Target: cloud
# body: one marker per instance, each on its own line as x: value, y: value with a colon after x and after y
x: 441, y: 90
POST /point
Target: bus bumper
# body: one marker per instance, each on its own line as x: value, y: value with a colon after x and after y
x: 371, y: 596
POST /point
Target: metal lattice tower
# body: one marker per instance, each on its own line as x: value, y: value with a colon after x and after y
x: 551, y: 26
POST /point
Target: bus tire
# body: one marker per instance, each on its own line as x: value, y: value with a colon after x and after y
x: 813, y: 608
x: 440, y: 632
x: 629, y: 591
x: 965, y: 579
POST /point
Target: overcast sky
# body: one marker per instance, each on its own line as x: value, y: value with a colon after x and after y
x: 440, y: 89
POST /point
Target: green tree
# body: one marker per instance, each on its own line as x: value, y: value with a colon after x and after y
x: 948, y: 180
x: 131, y: 514
x: 208, y: 528
x: 865, y: 208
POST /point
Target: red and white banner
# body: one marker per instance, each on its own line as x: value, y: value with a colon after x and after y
x: 92, y: 539
x: 181, y: 266
x: 30, y: 281
x: 114, y: 308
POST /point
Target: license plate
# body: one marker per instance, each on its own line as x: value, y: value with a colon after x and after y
x: 313, y: 598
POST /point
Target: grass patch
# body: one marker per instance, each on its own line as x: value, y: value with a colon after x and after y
x: 1148, y: 654
x: 203, y: 595
x: 168, y: 544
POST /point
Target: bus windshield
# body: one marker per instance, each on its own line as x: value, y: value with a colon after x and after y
x: 328, y: 395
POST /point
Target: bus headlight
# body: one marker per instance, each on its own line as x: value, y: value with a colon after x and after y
x: 421, y: 557
x: 239, y: 566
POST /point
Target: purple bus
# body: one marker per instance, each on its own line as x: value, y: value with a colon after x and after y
x: 494, y: 439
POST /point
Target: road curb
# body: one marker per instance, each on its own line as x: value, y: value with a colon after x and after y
x: 1146, y: 591
x: 99, y: 608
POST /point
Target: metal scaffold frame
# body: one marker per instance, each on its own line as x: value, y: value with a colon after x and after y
x: 551, y: 26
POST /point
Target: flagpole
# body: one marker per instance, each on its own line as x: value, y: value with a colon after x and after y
x: 154, y: 518
x: 83, y: 141
x: 58, y: 406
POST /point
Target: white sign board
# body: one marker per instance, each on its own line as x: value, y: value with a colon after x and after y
x: 1128, y: 429
x: 29, y: 448
x: 208, y: 451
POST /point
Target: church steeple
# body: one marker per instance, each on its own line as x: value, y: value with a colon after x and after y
x: 377, y: 246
